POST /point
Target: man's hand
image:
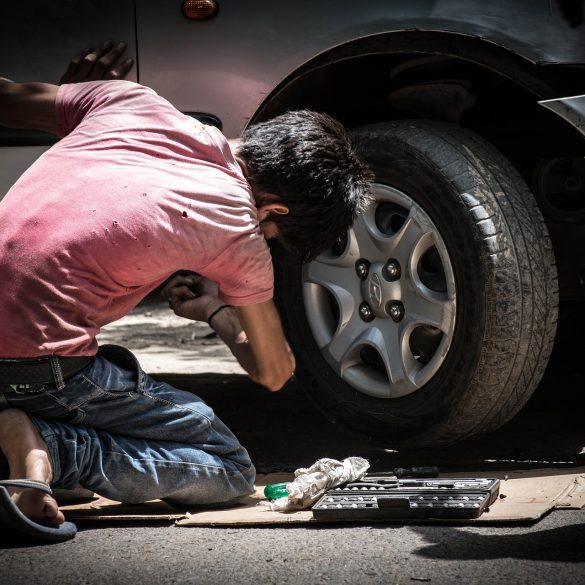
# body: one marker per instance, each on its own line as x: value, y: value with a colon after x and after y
x: 102, y: 62
x: 253, y: 333
x: 192, y: 296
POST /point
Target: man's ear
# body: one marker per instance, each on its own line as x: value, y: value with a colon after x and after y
x: 266, y: 209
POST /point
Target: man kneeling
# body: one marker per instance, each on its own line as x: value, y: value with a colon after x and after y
x: 133, y: 192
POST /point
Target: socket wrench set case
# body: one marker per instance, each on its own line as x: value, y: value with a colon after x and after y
x: 379, y: 498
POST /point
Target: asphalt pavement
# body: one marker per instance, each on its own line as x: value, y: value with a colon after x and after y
x: 549, y: 552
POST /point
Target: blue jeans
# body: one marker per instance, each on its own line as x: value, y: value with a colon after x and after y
x: 114, y: 430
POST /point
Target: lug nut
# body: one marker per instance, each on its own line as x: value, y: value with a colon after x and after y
x: 392, y: 270
x: 362, y: 268
x: 396, y: 311
x: 366, y: 312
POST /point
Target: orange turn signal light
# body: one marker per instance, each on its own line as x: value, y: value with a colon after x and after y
x: 200, y: 9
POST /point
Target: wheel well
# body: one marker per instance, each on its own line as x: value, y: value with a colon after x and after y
x: 464, y: 80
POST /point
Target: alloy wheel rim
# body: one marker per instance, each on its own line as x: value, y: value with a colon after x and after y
x: 381, y: 305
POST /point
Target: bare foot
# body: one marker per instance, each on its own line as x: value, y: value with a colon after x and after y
x: 28, y: 458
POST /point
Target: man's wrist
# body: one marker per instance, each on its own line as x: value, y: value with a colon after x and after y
x: 215, y: 312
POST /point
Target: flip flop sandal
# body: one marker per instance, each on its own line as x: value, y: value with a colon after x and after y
x: 11, y: 516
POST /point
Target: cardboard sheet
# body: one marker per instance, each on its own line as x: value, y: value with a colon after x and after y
x: 528, y: 495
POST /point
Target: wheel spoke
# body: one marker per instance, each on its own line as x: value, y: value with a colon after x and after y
x: 391, y: 344
x: 401, y: 365
x: 410, y: 237
x: 375, y: 245
x: 322, y: 320
x: 371, y: 244
x: 329, y: 274
x: 344, y: 347
x: 323, y: 273
x: 428, y: 308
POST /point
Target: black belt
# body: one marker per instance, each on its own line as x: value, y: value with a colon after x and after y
x: 42, y: 370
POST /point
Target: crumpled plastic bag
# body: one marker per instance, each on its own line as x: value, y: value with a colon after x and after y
x: 312, y: 482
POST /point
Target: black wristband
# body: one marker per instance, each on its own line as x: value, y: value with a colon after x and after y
x: 214, y: 314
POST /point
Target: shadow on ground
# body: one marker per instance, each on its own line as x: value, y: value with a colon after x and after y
x: 563, y: 544
x: 283, y: 430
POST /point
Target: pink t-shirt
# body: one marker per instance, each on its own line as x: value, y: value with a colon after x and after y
x: 134, y: 191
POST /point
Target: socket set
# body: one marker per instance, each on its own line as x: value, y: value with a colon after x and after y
x: 380, y: 498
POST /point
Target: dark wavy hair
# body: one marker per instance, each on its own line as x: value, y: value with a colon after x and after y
x: 307, y: 160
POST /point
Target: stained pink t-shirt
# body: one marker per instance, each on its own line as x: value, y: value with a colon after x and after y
x: 134, y: 191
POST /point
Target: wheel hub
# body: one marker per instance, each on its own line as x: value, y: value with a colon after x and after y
x: 378, y: 292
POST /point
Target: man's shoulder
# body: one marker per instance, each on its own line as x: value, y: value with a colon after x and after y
x: 106, y: 93
x: 113, y: 85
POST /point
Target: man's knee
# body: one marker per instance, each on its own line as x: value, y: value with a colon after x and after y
x: 215, y: 488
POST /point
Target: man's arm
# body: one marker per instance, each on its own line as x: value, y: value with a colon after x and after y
x: 31, y: 106
x: 253, y: 333
x: 28, y: 106
x: 260, y: 345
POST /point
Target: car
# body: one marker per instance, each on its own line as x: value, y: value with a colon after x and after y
x: 433, y: 318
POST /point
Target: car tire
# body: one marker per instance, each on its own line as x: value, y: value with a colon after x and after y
x: 441, y: 374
